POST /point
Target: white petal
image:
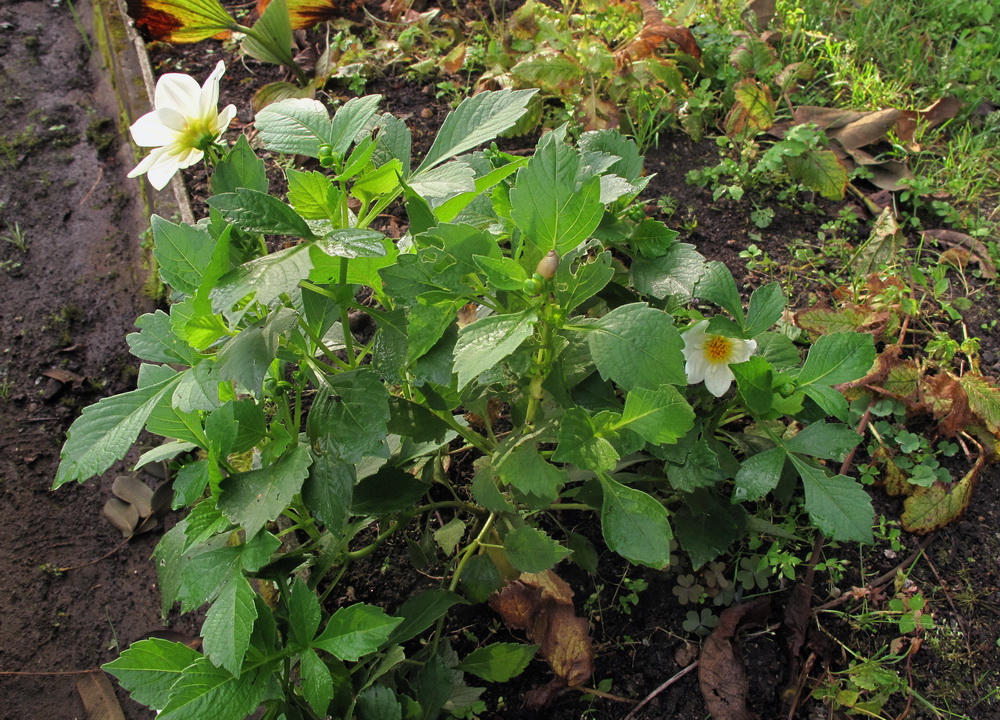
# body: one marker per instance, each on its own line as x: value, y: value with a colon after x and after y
x: 209, y: 92
x: 179, y: 92
x: 694, y: 370
x: 225, y: 117
x: 189, y: 157
x: 149, y: 131
x: 742, y: 350
x: 146, y: 163
x: 159, y: 175
x: 718, y: 378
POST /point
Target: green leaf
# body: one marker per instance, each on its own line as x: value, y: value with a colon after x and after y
x: 837, y: 505
x: 705, y: 527
x: 477, y: 119
x: 388, y: 490
x: 551, y: 206
x: 157, y: 342
x: 254, y: 498
x: 532, y: 551
x: 348, y: 122
x: 755, y: 381
x: 149, y: 668
x: 659, y: 416
x: 676, y: 273
x: 246, y: 357
x: 205, y: 691
x: 329, y: 491
x: 259, y: 212
x: 581, y: 276
x: 317, y: 682
x: 239, y: 168
x: 170, y: 565
x: 629, y: 162
x: 635, y: 525
x: 348, y: 417
x: 449, y: 535
x: 271, y: 41
x: 831, y: 441
x: 304, y: 613
x: 718, y: 287
x: 498, y: 662
x: 528, y: 472
x: 838, y: 358
x: 766, y: 306
x: 778, y: 350
x: 549, y: 70
x: 182, y: 252
x: 355, y: 631
x: 421, y: 611
x: 312, y: 194
x: 829, y: 400
x: 700, y: 469
x: 379, y: 703
x: 819, y: 170
x: 501, y: 273
x: 352, y: 243
x: 107, y: 430
x: 483, y: 344
x: 759, y: 474
x: 294, y: 127
x: 652, y: 239
x: 266, y: 278
x: 580, y: 444
x: 229, y: 623
x: 638, y: 346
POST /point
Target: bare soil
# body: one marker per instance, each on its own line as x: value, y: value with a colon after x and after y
x: 68, y: 301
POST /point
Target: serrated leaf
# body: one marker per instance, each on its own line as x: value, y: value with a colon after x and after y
x: 819, y: 170
x: 485, y: 343
x: 355, y: 631
x: 718, y: 287
x: 758, y: 475
x: 449, y: 535
x: 149, y: 668
x: 829, y: 400
x: 635, y: 525
x: 304, y: 613
x: 312, y: 194
x: 766, y: 306
x: 498, y: 662
x: 837, y: 505
x: 931, y: 508
x: 754, y: 379
x: 421, y: 611
x: 239, y: 168
x: 348, y: 122
x: 348, y: 417
x: 581, y: 276
x: 205, y: 691
x: 379, y: 703
x: 984, y: 399
x: 638, y: 346
x: 532, y: 551
x: 259, y: 212
x: 156, y: 341
x: 317, y: 682
x: 549, y: 70
x: 830, y: 441
x: 477, y: 119
x: 580, y: 444
x: 329, y: 491
x: 229, y: 623
x: 659, y: 416
x: 675, y: 273
x: 551, y: 206
x: 700, y: 469
x: 705, y: 527
x: 294, y: 127
x: 528, y: 472
x: 107, y: 430
x: 182, y: 252
x: 254, y: 498
x: 837, y: 358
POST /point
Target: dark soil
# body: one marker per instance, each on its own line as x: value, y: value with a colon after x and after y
x: 67, y: 303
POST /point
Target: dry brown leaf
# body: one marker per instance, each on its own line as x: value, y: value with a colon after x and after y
x: 135, y: 492
x: 597, y: 114
x: 866, y: 130
x: 99, y: 696
x: 721, y: 675
x: 542, y: 605
x: 122, y: 515
x: 654, y: 32
x: 763, y: 12
x: 65, y: 376
x: 979, y: 253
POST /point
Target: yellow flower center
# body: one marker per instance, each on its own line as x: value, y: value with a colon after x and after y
x: 718, y: 349
x: 198, y: 133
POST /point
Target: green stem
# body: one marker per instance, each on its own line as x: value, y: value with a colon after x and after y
x: 345, y: 320
x: 468, y: 434
x: 539, y: 371
x: 322, y: 347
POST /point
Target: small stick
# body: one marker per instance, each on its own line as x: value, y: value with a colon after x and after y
x: 103, y: 557
x: 660, y: 689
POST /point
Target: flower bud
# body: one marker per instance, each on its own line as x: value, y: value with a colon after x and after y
x: 548, y: 265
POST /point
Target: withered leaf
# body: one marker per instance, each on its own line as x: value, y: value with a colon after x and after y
x: 721, y: 675
x: 654, y: 32
x: 122, y: 515
x: 135, y: 492
x: 542, y: 605
x: 99, y: 696
x: 931, y: 508
x: 979, y: 253
x: 65, y: 376
x: 174, y: 21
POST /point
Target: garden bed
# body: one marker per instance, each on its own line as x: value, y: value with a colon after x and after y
x: 73, y: 294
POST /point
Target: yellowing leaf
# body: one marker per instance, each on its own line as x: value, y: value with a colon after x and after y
x: 179, y: 21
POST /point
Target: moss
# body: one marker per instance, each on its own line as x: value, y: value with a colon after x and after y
x: 101, y: 132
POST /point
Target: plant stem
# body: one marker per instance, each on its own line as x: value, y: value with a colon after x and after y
x: 345, y: 320
x: 539, y: 371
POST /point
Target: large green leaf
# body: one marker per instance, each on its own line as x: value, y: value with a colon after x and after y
x: 206, y: 691
x: 239, y: 168
x: 830, y: 441
x: 837, y: 505
x: 271, y: 41
x: 229, y: 623
x: 532, y: 551
x: 246, y: 357
x: 638, y: 346
x: 254, y: 498
x: 149, y: 668
x: 484, y: 343
x: 838, y: 358
x: 635, y: 525
x: 258, y: 212
x: 295, y: 126
x: 719, y: 288
x: 659, y: 416
x: 523, y: 468
x: 553, y: 208
x: 580, y: 443
x: 759, y: 474
x: 766, y: 306
x: 421, y: 611
x: 348, y: 418
x: 498, y: 662
x: 477, y: 119
x: 317, y: 681
x: 182, y: 252
x: 675, y: 273
x: 107, y: 430
x: 355, y: 631
x: 705, y: 527
x: 157, y: 342
x: 352, y: 117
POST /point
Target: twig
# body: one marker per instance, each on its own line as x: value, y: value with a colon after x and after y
x: 103, y: 557
x: 100, y: 174
x: 660, y: 689
x: 605, y: 695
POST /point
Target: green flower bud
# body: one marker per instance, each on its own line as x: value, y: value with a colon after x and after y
x: 326, y: 160
x: 532, y: 286
x: 325, y: 151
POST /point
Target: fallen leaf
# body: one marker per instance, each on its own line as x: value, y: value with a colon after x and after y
x: 721, y: 674
x: 653, y: 33
x: 931, y: 508
x: 763, y: 12
x: 99, y: 696
x: 65, y: 376
x: 978, y: 252
x: 135, y: 492
x: 542, y: 605
x: 122, y: 515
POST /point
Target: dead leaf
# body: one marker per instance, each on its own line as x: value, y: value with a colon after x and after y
x: 454, y: 60
x: 135, y: 492
x: 721, y: 674
x: 597, y: 114
x: 931, y: 508
x: 978, y: 253
x: 542, y: 605
x: 99, y: 697
x: 66, y: 377
x: 763, y: 12
x: 122, y: 515
x: 654, y: 32
x: 866, y: 130
x: 798, y: 612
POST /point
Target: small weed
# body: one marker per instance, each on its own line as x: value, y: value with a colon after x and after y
x: 16, y: 237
